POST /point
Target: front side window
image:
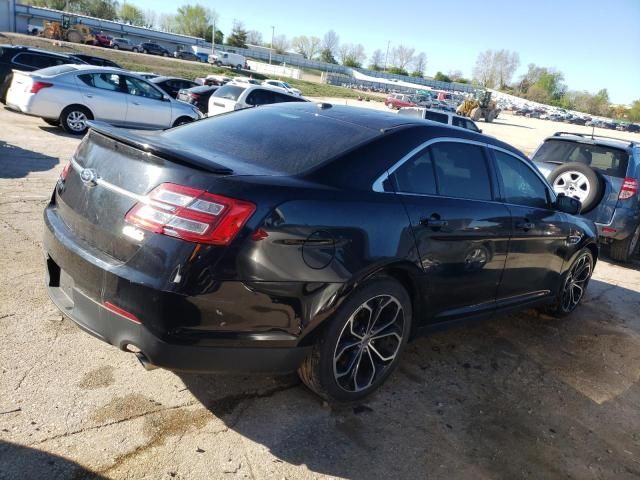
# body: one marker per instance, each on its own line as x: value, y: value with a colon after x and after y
x: 461, y: 170
x: 521, y: 186
x: 140, y: 88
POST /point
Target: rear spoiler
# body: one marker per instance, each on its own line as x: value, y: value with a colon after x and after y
x: 152, y: 142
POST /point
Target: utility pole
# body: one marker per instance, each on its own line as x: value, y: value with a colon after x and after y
x: 273, y: 31
x: 386, y: 56
x: 213, y: 37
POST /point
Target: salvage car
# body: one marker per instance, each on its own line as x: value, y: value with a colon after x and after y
x: 440, y: 117
x: 305, y: 237
x: 399, y: 100
x: 603, y: 173
x: 72, y: 95
x: 237, y: 96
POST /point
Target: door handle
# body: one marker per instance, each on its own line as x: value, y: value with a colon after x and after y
x: 89, y: 95
x: 525, y: 226
x: 434, y: 222
x: 135, y: 103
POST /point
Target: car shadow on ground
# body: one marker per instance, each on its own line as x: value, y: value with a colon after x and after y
x: 520, y: 395
x: 26, y: 462
x: 16, y: 162
x: 54, y: 130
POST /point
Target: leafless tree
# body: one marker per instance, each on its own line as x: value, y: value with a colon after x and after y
x: 150, y: 18
x: 483, y: 71
x: 330, y: 42
x: 281, y: 44
x: 254, y: 37
x: 308, y: 47
x: 420, y: 62
x: 377, y: 59
x: 167, y: 22
x: 455, y: 75
x: 495, y: 69
x: 352, y: 55
x: 402, y: 56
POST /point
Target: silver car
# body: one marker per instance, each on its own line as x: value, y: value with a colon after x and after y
x: 69, y: 95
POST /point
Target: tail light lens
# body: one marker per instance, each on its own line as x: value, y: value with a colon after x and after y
x: 195, y: 96
x: 629, y: 188
x: 191, y: 214
x: 37, y: 86
x: 65, y: 171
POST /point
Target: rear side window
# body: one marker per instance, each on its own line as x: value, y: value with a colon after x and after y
x: 461, y: 170
x: 520, y: 185
x: 230, y: 92
x: 606, y: 160
x: 103, y: 81
x: 260, y: 97
x: 436, y: 117
x: 416, y: 175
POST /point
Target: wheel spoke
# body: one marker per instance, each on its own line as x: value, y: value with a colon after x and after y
x: 350, y: 368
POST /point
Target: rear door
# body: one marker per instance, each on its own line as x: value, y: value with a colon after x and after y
x: 461, y: 233
x: 146, y: 105
x: 103, y: 94
x: 539, y: 233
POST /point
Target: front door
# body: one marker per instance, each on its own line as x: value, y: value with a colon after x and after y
x: 461, y: 233
x: 146, y: 106
x: 540, y: 233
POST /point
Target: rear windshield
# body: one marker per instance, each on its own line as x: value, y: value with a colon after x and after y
x: 57, y: 70
x: 606, y: 160
x: 230, y: 92
x: 278, y: 139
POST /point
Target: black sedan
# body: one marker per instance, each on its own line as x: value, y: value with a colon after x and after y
x: 304, y: 237
x: 173, y: 85
x: 151, y: 49
x: 198, y: 96
x: 186, y: 55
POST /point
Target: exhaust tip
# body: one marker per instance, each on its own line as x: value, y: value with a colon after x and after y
x: 144, y: 361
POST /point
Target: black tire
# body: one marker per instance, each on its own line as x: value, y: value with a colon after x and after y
x: 182, y: 121
x: 145, y: 51
x: 134, y: 49
x: 165, y: 54
x: 219, y: 63
x: 562, y: 306
x: 71, y: 116
x: 623, y: 250
x: 595, y: 183
x: 116, y: 47
x: 51, y: 122
x: 319, y: 372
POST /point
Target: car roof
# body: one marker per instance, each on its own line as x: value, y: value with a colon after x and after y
x: 612, y: 142
x: 26, y: 48
x: 161, y: 79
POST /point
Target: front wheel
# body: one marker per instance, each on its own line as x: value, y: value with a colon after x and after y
x: 182, y: 121
x: 362, y: 344
x: 165, y: 54
x: 623, y: 250
x: 573, y: 285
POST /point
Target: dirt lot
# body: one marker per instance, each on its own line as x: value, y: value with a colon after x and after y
x: 521, y: 396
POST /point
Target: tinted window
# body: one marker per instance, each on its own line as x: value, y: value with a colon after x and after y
x: 281, y: 97
x: 103, y: 81
x: 461, y: 170
x: 38, y: 61
x: 230, y: 92
x: 469, y: 125
x: 436, y: 117
x: 140, y: 88
x: 607, y: 160
x: 416, y: 175
x: 520, y: 184
x: 279, y: 139
x: 458, y: 122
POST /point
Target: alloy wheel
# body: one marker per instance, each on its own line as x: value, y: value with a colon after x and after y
x: 368, y: 343
x: 77, y: 121
x: 576, y: 282
x: 573, y: 184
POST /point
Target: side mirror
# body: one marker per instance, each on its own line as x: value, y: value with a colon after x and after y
x: 569, y: 205
x: 166, y: 97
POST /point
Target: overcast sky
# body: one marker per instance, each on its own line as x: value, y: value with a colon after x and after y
x: 596, y: 44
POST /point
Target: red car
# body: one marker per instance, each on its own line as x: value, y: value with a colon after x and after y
x: 103, y: 40
x: 396, y: 101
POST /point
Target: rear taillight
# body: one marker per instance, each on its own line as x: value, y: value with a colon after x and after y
x: 65, y: 171
x: 37, y: 86
x: 629, y: 188
x: 191, y: 214
x: 195, y: 96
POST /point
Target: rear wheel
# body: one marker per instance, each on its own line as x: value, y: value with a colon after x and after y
x: 74, y: 119
x: 623, y: 250
x: 362, y: 345
x: 145, y: 51
x: 573, y: 285
x: 116, y: 47
x: 489, y: 117
x: 165, y: 54
x: 475, y: 114
x: 74, y: 37
x: 182, y: 121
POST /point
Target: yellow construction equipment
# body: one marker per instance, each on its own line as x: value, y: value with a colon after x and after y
x: 70, y: 30
x: 479, y: 106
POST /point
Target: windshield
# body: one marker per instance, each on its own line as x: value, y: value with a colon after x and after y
x: 606, y: 160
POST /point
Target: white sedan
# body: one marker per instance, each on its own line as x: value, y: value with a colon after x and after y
x: 283, y: 85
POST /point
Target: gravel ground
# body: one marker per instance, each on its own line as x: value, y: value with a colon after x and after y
x: 520, y: 396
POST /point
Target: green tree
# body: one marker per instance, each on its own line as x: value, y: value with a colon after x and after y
x: 238, y: 36
x: 219, y: 35
x: 106, y: 9
x: 131, y: 14
x: 194, y: 20
x: 397, y: 71
x: 441, y: 77
x: 326, y: 56
x: 634, y: 112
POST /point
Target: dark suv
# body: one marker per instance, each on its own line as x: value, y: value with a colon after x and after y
x: 303, y: 236
x: 152, y: 49
x: 603, y: 173
x: 27, y: 59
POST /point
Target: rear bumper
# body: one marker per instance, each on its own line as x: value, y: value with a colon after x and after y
x: 623, y: 223
x: 121, y: 332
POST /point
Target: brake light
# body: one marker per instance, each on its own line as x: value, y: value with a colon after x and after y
x: 65, y: 171
x: 629, y: 188
x: 191, y: 214
x: 37, y: 86
x: 195, y: 96
x: 121, y: 311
